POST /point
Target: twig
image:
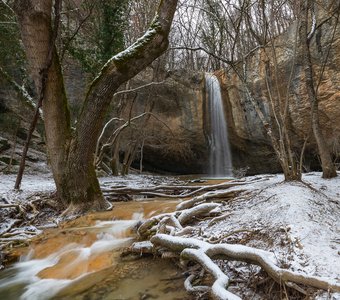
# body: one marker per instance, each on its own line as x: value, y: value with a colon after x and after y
x: 15, y: 222
x: 9, y: 205
x: 138, y: 88
x: 229, y: 234
x: 219, y: 218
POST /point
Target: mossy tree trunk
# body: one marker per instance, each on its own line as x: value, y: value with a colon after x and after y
x: 71, y: 152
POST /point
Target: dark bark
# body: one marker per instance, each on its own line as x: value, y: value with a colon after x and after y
x: 26, y: 146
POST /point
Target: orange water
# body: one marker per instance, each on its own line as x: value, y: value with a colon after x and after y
x: 81, y: 260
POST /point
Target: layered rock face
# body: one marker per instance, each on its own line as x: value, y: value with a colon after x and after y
x: 251, y: 147
x: 174, y: 136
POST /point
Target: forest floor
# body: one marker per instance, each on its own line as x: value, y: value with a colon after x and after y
x: 297, y: 222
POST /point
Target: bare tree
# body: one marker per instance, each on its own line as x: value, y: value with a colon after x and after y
x: 328, y: 167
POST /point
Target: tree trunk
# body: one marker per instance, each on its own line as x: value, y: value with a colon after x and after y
x: 328, y: 167
x: 36, y: 30
x: 71, y: 155
x: 114, y: 163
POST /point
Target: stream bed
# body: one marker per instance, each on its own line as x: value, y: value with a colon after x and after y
x: 82, y: 260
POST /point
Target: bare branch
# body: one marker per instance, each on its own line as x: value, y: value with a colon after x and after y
x: 138, y: 88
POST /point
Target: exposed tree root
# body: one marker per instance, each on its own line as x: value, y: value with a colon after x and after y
x: 194, y: 289
x: 203, y: 252
x: 176, y: 191
x: 167, y: 230
x: 229, y: 234
x: 212, y: 195
x: 9, y: 205
x: 172, y: 223
x: 200, y: 210
x: 74, y: 210
x: 219, y: 218
x: 21, y: 219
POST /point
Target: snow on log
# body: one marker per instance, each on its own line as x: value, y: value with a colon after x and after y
x: 206, y: 196
x: 199, y: 210
x: 141, y: 247
x: 173, y: 222
x: 194, y: 289
x: 145, y: 228
x: 202, y: 252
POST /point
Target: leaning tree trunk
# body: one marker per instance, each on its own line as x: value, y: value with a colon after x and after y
x: 328, y: 167
x: 72, y: 156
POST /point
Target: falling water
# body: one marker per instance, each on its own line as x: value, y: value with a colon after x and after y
x: 220, y: 163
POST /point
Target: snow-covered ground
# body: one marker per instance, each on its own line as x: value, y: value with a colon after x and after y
x: 17, y: 223
x: 298, y: 222
x: 30, y: 184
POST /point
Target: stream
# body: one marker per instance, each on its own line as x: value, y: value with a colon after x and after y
x: 82, y: 260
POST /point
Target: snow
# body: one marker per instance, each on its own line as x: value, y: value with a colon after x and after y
x: 30, y: 184
x: 136, y: 45
x: 303, y: 223
x: 142, y: 246
x: 298, y: 223
x: 205, y: 207
x: 135, y: 181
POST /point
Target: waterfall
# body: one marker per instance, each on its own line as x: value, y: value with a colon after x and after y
x: 220, y: 163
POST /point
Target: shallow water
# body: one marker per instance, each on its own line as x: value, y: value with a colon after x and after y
x: 82, y: 260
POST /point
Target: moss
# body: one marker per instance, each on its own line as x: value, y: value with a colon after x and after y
x: 122, y: 59
x: 136, y: 50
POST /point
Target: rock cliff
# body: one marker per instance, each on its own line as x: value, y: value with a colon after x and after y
x: 174, y: 138
x: 249, y: 142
